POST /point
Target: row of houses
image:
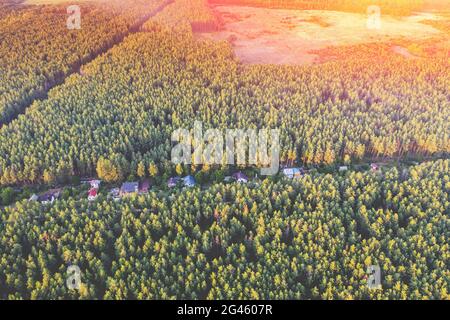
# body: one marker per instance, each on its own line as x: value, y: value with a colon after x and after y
x: 130, y: 188
x: 52, y: 195
x: 299, y: 172
x: 189, y: 181
x: 238, y: 177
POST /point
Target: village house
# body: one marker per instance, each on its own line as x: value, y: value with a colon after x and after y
x: 95, y: 184
x: 240, y: 177
x: 189, y: 181
x: 292, y: 173
x: 50, y: 196
x: 374, y: 167
x: 92, y: 194
x: 173, y: 182
x: 114, y: 193
x: 343, y: 168
x: 129, y: 188
x: 144, y: 186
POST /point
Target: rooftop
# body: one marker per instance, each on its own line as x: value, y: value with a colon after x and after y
x: 129, y: 187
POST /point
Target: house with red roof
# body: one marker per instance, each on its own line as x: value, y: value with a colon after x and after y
x: 92, y: 195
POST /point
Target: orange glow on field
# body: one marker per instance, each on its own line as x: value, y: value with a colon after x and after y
x: 293, y: 36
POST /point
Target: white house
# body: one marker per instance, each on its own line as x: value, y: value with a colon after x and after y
x: 240, y: 177
x: 50, y: 196
x: 292, y: 173
x: 95, y: 184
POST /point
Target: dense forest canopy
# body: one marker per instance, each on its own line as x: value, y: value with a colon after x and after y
x: 194, y: 12
x: 309, y: 238
x: 290, y: 240
x: 38, y: 50
x: 313, y: 238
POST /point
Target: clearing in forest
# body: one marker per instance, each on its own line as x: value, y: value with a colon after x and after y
x: 280, y: 36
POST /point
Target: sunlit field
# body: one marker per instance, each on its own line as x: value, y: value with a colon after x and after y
x: 278, y: 36
x: 40, y: 2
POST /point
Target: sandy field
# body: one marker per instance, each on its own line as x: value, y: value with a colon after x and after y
x: 279, y: 36
x: 59, y: 1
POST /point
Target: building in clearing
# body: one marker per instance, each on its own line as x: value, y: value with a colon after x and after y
x: 144, y: 186
x: 114, y: 193
x: 173, y: 182
x: 189, y: 181
x: 95, y: 184
x: 343, y: 168
x: 129, y: 188
x: 240, y: 177
x: 50, y: 196
x: 292, y: 173
x: 92, y: 195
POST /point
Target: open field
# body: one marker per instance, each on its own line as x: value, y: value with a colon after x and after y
x: 279, y: 36
x: 59, y: 1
